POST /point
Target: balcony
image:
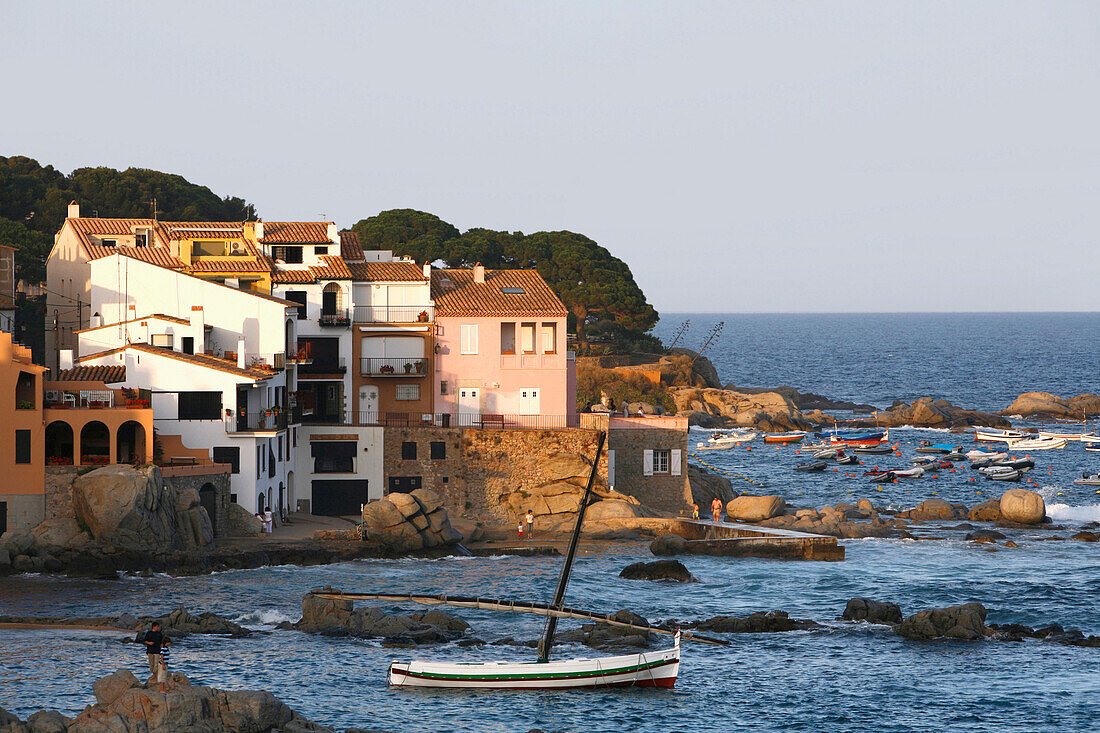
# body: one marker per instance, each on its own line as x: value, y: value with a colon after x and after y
x: 335, y: 319
x: 394, y: 313
x: 273, y: 419
x: 393, y: 367
x: 322, y: 365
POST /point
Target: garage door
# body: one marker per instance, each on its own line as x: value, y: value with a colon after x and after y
x: 333, y: 498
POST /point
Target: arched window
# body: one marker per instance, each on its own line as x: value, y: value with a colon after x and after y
x: 130, y: 443
x: 95, y: 444
x: 59, y: 444
x: 25, y: 398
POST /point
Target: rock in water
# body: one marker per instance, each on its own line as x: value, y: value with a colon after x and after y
x: 987, y: 511
x: 1085, y: 536
x: 754, y: 508
x: 668, y: 544
x: 933, y: 509
x: 875, y: 612
x: 954, y: 622
x: 672, y: 570
x: 1022, y: 506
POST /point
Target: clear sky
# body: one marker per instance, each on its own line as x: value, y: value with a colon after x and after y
x: 740, y: 156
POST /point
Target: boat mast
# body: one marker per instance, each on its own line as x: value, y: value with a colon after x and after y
x: 559, y: 595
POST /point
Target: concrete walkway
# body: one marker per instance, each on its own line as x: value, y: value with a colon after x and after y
x: 299, y: 526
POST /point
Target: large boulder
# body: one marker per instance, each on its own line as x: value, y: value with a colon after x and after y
x: 383, y: 514
x: 768, y: 411
x: 1045, y: 404
x: 671, y: 570
x: 754, y: 508
x: 933, y: 510
x: 239, y: 522
x: 1022, y: 506
x: 135, y: 508
x: 563, y: 466
x: 60, y: 532
x: 402, y: 523
x: 668, y: 544
x: 108, y: 689
x: 987, y: 511
x: 966, y: 621
x: 875, y: 612
x: 608, y: 509
x: 706, y: 485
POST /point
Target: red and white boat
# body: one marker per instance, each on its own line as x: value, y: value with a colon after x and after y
x: 792, y: 437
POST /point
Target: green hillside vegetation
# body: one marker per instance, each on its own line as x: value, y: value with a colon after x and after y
x: 608, y: 310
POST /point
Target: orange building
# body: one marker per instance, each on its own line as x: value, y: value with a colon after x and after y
x: 22, y: 486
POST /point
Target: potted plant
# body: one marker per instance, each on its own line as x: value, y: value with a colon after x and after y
x: 419, y: 366
x: 386, y: 369
x: 408, y: 367
x: 422, y: 317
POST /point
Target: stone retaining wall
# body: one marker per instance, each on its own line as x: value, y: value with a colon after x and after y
x: 59, y: 494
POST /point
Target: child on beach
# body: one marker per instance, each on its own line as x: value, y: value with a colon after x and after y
x: 694, y: 510
x: 162, y: 666
x: 520, y: 529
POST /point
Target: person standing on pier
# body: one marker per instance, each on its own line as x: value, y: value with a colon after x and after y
x: 716, y: 509
x: 530, y: 519
x: 153, y: 639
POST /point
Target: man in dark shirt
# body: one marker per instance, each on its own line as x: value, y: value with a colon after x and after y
x: 153, y: 639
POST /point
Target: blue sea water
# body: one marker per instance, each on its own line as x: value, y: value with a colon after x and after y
x: 847, y: 677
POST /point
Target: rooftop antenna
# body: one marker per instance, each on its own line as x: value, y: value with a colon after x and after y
x: 680, y: 331
x: 711, y: 338
x: 153, y: 203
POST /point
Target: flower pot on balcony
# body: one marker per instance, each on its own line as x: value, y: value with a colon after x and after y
x: 418, y: 366
x: 408, y: 368
x: 422, y: 317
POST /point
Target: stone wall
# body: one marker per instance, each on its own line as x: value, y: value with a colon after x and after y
x: 220, y: 482
x: 59, y: 491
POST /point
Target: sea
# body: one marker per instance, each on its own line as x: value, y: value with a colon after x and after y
x: 844, y: 677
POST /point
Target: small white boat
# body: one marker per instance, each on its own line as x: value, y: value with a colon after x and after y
x: 914, y: 472
x: 1088, y: 479
x: 1001, y: 473
x: 1054, y: 435
x: 978, y: 453
x: 998, y: 435
x: 826, y: 453
x: 1038, y: 444
x: 711, y: 446
x: 644, y: 669
x: 732, y: 438
x: 1090, y: 438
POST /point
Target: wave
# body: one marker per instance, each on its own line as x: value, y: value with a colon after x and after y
x: 264, y: 617
x: 1067, y: 513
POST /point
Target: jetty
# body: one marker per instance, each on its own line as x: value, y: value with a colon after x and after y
x: 731, y: 539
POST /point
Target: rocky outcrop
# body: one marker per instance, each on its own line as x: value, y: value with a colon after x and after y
x: 340, y: 618
x: 402, y: 523
x: 135, y: 508
x: 927, y: 412
x: 711, y: 407
x: 669, y: 570
x: 987, y: 511
x: 1022, y: 507
x: 668, y: 544
x: 608, y: 636
x: 754, y: 508
x: 758, y: 623
x: 806, y: 401
x: 178, y: 623
x: 706, y: 485
x: 875, y: 612
x: 240, y: 523
x: 124, y: 704
x: 934, y: 510
x: 1045, y: 404
x: 966, y: 621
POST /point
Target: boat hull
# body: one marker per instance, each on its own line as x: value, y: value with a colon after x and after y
x: 647, y: 669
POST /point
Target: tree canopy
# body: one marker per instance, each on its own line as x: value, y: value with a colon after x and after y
x: 35, y: 199
x: 597, y: 287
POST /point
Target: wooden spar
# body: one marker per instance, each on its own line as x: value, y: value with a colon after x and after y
x: 547, y: 640
x: 490, y: 604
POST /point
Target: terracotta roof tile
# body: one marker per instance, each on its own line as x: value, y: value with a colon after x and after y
x: 334, y: 269
x: 293, y: 276
x: 456, y: 294
x: 296, y: 232
x: 238, y: 264
x: 160, y: 256
x: 203, y: 360
x: 106, y: 374
x: 350, y: 248
x: 177, y: 230
x: 386, y: 271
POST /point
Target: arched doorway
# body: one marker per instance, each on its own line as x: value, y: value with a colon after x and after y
x: 291, y: 505
x: 208, y: 497
x: 95, y: 444
x: 130, y: 443
x: 281, y: 511
x: 59, y: 444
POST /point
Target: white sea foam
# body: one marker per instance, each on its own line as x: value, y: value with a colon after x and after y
x: 1067, y: 513
x: 263, y: 617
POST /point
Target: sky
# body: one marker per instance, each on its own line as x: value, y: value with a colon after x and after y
x: 739, y: 156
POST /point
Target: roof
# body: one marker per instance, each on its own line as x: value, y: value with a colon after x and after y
x: 105, y: 374
x: 350, y: 248
x: 334, y: 268
x: 150, y: 317
x: 237, y: 264
x: 461, y: 296
x: 203, y: 360
x: 296, y: 232
x: 204, y: 229
x: 386, y: 271
x: 160, y: 256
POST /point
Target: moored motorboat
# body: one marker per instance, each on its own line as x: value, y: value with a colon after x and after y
x: 914, y: 472
x: 873, y: 449
x: 1020, y: 464
x: 1039, y: 444
x: 1092, y: 447
x: 791, y: 437
x: 712, y: 446
x: 983, y: 453
x: 884, y: 477
x: 827, y: 453
x: 998, y: 435
x: 1081, y: 437
x: 847, y: 460
x: 1088, y: 479
x: 989, y: 461
x: 1001, y: 473
x: 815, y: 466
x: 956, y: 456
x: 732, y: 438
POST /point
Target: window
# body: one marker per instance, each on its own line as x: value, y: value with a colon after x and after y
x: 22, y: 446
x: 163, y: 340
x: 508, y: 338
x: 333, y: 456
x: 408, y: 450
x: 259, y: 461
x: 109, y: 242
x: 469, y: 339
x: 661, y: 461
x: 289, y: 255
x: 299, y: 297
x: 408, y: 392
x: 527, y: 337
x: 25, y: 393
x: 200, y: 406
x: 141, y: 239
x: 438, y: 450
x: 321, y: 250
x: 187, y: 344
x: 232, y: 456
x: 549, y: 338
x: 512, y: 291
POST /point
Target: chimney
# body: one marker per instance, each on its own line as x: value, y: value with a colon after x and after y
x: 198, y: 328
x: 65, y: 359
x: 74, y: 210
x: 97, y: 320
x: 240, y: 353
x: 333, y: 233
x: 427, y: 270
x: 259, y: 230
x: 479, y: 273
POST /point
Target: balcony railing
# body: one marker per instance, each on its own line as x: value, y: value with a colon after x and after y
x: 484, y: 420
x: 318, y: 365
x: 127, y: 399
x: 394, y: 313
x: 392, y: 367
x: 336, y: 318
x: 531, y: 361
x: 266, y: 420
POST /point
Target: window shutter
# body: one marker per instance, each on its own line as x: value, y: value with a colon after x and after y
x: 675, y: 463
x: 611, y: 468
x: 647, y: 463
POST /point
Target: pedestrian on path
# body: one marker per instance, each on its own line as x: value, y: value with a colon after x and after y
x: 694, y: 510
x: 530, y: 519
x: 716, y: 509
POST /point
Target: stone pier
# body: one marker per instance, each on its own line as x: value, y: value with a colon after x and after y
x: 730, y: 539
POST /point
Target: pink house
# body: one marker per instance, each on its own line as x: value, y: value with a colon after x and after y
x: 501, y: 353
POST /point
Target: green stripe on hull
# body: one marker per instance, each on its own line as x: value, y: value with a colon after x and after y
x: 538, y: 675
